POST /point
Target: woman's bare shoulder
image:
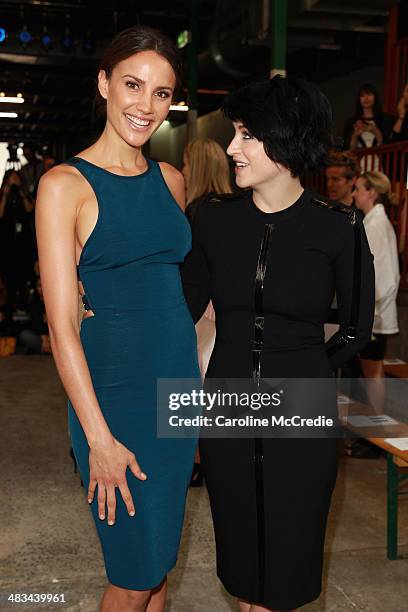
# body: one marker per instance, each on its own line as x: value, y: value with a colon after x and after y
x: 175, y: 182
x: 62, y: 183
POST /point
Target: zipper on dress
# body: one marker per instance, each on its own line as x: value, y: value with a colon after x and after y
x: 257, y: 348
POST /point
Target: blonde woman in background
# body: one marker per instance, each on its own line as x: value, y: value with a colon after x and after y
x: 372, y: 192
x: 205, y: 170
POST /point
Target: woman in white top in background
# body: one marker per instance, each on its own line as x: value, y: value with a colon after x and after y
x: 372, y: 191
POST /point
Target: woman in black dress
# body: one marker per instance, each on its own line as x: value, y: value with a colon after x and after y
x: 270, y: 259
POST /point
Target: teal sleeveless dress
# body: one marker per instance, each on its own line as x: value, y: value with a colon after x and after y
x: 141, y: 331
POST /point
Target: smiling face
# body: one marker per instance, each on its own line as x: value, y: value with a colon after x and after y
x: 253, y: 168
x: 138, y: 95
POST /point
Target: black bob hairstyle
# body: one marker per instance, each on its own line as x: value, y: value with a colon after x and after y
x: 292, y: 118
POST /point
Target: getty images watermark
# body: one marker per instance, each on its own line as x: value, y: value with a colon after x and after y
x: 323, y: 407
x: 222, y: 399
x: 242, y: 408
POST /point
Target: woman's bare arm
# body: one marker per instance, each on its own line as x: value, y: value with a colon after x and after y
x: 56, y: 213
x: 58, y: 203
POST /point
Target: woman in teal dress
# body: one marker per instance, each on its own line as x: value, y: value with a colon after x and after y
x: 113, y: 220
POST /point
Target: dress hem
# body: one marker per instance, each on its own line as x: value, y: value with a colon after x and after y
x: 146, y: 588
x: 288, y: 607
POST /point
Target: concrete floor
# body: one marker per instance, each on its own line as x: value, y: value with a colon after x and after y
x: 48, y: 541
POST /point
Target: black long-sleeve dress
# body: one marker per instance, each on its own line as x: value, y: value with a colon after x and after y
x: 272, y: 277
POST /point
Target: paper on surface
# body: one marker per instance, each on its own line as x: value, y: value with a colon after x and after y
x: 394, y: 362
x: 361, y: 420
x: 400, y: 443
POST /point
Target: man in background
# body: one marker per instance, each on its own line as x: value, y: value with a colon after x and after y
x: 341, y: 176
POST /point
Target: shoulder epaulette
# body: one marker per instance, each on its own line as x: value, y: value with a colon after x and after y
x: 214, y: 198
x: 350, y: 331
x: 337, y: 207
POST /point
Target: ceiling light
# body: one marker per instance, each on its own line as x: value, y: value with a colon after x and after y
x: 10, y: 115
x: 46, y: 40
x: 67, y: 42
x: 18, y: 99
x: 178, y: 107
x: 25, y: 36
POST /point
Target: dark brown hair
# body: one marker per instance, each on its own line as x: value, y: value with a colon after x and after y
x: 345, y: 160
x: 135, y: 40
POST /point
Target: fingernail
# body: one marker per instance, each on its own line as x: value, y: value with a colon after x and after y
x: 143, y: 475
x: 110, y: 522
x: 89, y: 500
x: 101, y: 516
x: 132, y: 513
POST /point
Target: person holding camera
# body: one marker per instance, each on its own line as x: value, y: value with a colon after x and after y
x: 400, y: 127
x: 17, y: 247
x: 369, y: 126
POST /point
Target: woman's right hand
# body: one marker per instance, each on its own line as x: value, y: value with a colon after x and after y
x: 108, y: 462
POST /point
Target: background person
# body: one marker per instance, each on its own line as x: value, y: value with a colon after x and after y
x: 369, y: 126
x: 17, y: 241
x: 205, y: 170
x: 341, y: 174
x: 400, y: 127
x: 372, y: 192
x: 7, y: 327
x: 32, y: 170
